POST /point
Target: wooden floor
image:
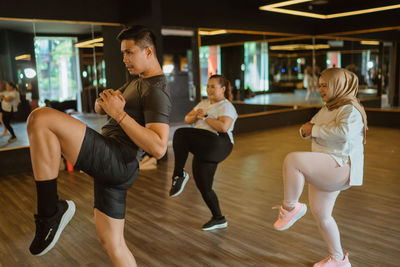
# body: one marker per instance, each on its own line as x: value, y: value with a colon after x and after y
x: 163, y: 231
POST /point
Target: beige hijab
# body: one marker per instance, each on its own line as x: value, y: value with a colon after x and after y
x: 342, y: 90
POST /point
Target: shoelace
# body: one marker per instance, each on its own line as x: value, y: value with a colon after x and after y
x: 175, y: 180
x: 328, y: 259
x: 331, y: 258
x: 280, y: 210
x: 40, y: 229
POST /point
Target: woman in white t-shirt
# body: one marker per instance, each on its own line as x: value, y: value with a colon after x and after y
x: 2, y: 89
x: 210, y: 142
x: 9, y: 105
x: 338, y: 133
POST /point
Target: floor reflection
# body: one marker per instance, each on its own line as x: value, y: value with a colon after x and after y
x: 20, y: 132
x: 296, y: 98
x: 93, y: 120
x: 96, y: 121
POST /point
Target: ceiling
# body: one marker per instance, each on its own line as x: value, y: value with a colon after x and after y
x: 45, y: 27
x: 326, y: 7
x: 221, y: 14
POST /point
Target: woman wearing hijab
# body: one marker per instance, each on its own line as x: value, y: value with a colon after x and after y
x: 338, y: 132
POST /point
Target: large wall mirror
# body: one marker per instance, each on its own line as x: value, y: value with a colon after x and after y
x: 65, y: 65
x: 178, y: 65
x: 57, y: 64
x: 269, y: 72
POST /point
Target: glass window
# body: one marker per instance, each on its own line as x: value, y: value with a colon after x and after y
x: 210, y: 64
x: 256, y: 66
x: 333, y: 60
x: 57, y: 68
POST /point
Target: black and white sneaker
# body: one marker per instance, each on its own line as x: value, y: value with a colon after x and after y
x: 178, y: 184
x: 48, y: 230
x: 215, y: 224
x: 12, y: 139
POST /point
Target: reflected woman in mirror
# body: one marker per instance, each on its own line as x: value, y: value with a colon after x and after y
x: 338, y: 132
x: 9, y: 105
x: 311, y: 81
x: 210, y: 142
x: 2, y: 89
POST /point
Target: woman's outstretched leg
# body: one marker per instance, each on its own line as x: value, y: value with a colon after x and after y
x: 203, y: 173
x: 321, y: 205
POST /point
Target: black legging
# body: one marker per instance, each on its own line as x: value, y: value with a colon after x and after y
x: 7, y: 116
x: 208, y: 150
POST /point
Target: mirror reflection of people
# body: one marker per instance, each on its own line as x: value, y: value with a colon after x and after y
x: 310, y: 81
x: 336, y: 162
x: 9, y: 104
x: 47, y: 103
x: 2, y: 89
x: 111, y: 157
x: 210, y: 142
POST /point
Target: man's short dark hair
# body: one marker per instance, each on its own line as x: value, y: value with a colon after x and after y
x: 142, y: 36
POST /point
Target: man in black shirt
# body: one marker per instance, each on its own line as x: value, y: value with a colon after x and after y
x: 138, y: 120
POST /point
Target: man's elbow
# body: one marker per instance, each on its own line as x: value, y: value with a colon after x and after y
x: 159, y: 153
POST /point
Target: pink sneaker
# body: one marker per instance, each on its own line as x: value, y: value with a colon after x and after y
x: 333, y: 262
x: 288, y: 218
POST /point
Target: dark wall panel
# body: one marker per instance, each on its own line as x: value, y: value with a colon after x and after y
x: 273, y: 120
x: 181, y: 104
x: 383, y: 118
x: 250, y: 108
x: 116, y: 72
x: 232, y: 58
x: 15, y: 161
x: 88, y: 10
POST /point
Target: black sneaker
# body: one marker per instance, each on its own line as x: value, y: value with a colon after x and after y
x: 215, y: 224
x: 178, y: 183
x: 48, y: 230
x: 12, y: 139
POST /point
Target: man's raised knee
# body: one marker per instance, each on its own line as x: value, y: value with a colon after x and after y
x: 37, y: 118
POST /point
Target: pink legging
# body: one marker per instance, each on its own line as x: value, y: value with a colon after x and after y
x: 326, y: 179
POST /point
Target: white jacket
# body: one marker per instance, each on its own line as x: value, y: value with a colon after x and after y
x: 339, y: 133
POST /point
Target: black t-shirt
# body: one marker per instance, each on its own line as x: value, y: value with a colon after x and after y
x: 147, y: 100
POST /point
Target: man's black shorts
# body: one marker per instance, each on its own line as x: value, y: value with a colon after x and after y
x: 114, y: 168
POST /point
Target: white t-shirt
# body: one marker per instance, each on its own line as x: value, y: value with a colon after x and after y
x: 7, y: 105
x: 221, y: 108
